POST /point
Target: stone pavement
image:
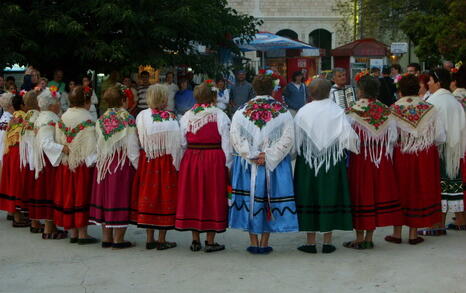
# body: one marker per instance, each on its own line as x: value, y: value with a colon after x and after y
x: 29, y: 264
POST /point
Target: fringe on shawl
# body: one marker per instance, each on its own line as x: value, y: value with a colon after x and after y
x: 327, y: 157
x: 376, y: 146
x: 413, y: 140
x: 162, y: 143
x: 108, y: 150
x: 39, y: 160
x: 195, y: 124
x: 26, y: 139
x: 452, y: 157
x: 82, y: 146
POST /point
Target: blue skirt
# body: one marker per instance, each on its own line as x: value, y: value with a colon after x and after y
x: 277, y: 214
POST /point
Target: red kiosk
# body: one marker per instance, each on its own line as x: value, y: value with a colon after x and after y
x: 359, y: 55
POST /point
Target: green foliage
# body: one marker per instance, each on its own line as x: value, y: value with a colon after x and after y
x: 108, y: 35
x: 436, y: 27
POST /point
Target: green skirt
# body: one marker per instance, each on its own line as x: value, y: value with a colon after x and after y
x: 323, y: 201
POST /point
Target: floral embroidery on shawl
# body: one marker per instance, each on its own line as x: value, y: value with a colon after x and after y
x: 262, y: 110
x: 411, y: 113
x: 201, y: 107
x: 114, y: 121
x: 161, y: 115
x: 374, y: 113
x: 71, y: 133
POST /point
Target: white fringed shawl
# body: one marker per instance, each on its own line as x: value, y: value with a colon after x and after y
x: 452, y: 114
x: 323, y: 133
x: 159, y: 138
x: 116, y: 137
x: 83, y: 145
x: 44, y: 126
x: 4, y: 120
x: 378, y: 134
x: 26, y: 142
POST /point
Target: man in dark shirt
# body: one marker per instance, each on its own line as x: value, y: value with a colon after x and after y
x: 387, y: 88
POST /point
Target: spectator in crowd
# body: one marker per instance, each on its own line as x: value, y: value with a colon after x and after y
x: 375, y: 72
x: 2, y: 85
x: 142, y: 89
x: 12, y: 88
x: 387, y: 88
x: 395, y: 71
x: 414, y: 69
x: 423, y: 87
x: 172, y: 89
x: 109, y: 82
x: 128, y: 82
x: 43, y: 83
x: 296, y: 93
x: 189, y: 78
x: 10, y: 80
x: 94, y: 100
x: 64, y: 98
x: 448, y: 65
x: 58, y: 81
x: 241, y: 92
x: 31, y: 79
x: 223, y: 94
x: 184, y: 98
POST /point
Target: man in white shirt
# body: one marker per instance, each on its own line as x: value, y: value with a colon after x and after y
x: 343, y: 95
x: 172, y: 89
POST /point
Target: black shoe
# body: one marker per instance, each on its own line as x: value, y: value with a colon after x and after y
x: 195, y: 246
x: 122, y: 245
x: 74, y: 240
x: 165, y: 245
x: 90, y: 240
x: 152, y: 245
x: 328, y: 248
x: 213, y: 247
x: 308, y: 248
x: 9, y: 217
x: 107, y: 244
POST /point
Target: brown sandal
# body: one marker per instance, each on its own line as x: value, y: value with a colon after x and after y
x: 416, y: 241
x: 57, y: 235
x: 22, y: 224
x: 392, y: 239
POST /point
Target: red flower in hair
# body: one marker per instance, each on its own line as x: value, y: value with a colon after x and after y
x: 262, y: 71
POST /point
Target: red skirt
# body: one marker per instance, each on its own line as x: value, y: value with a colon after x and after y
x: 154, y: 193
x: 72, y: 196
x: 420, y: 191
x: 12, y: 197
x: 202, y: 191
x: 41, y: 198
x: 374, y: 193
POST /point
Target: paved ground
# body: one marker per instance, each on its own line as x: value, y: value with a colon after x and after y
x: 29, y: 264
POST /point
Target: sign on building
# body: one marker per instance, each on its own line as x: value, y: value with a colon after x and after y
x: 399, y: 48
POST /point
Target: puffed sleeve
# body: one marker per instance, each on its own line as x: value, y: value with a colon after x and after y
x: 276, y: 152
x: 223, y: 125
x: 184, y: 130
x: 440, y: 131
x: 133, y: 147
x: 51, y: 149
x: 240, y: 143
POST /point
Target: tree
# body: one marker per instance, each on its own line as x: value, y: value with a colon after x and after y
x: 436, y: 27
x: 108, y: 35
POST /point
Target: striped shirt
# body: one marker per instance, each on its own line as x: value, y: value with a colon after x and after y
x: 142, y: 103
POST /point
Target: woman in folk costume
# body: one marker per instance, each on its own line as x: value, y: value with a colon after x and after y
x: 11, y: 184
x: 31, y: 190
x: 452, y: 151
x: 203, y: 178
x: 7, y: 115
x: 458, y: 88
x: 156, y: 181
x: 417, y: 165
x: 323, y: 133
x: 76, y: 130
x: 372, y: 180
x: 117, y: 158
x: 47, y: 156
x: 262, y: 134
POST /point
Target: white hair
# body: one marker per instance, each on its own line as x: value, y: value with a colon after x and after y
x: 6, y: 100
x: 46, y: 99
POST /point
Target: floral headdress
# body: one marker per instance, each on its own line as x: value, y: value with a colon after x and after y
x: 211, y: 84
x: 87, y: 91
x: 273, y: 75
x: 457, y: 67
x: 53, y: 91
x: 22, y: 93
x: 360, y: 74
x: 126, y: 92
